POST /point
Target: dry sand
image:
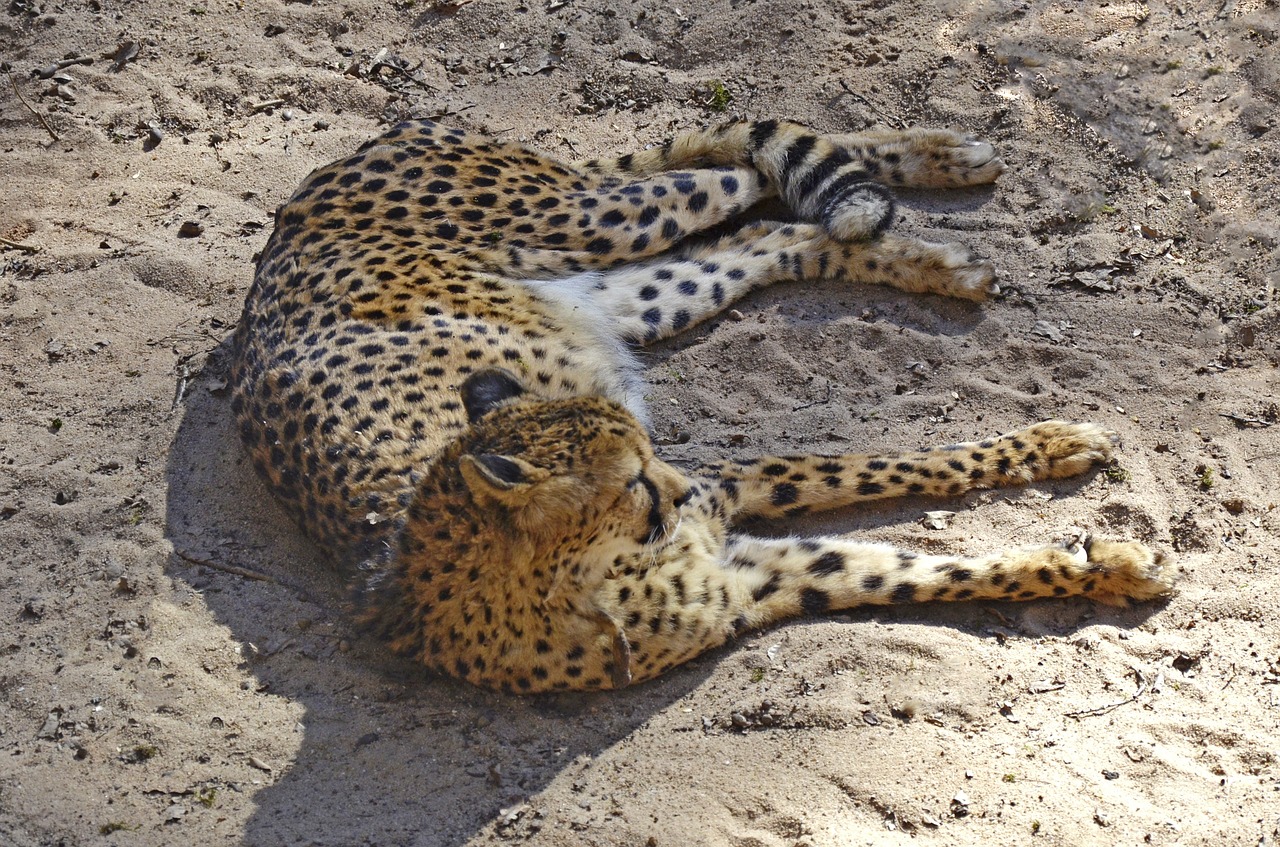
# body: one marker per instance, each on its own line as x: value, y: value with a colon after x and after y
x: 151, y: 700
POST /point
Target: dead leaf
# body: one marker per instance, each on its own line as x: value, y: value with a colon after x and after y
x: 124, y: 54
x: 1096, y: 279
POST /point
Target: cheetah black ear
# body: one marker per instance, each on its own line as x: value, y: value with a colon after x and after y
x: 507, y: 479
x: 500, y: 471
x: 488, y: 389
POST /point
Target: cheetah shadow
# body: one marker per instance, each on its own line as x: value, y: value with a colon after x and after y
x: 387, y: 754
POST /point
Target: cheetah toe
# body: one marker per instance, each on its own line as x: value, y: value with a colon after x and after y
x: 1123, y: 571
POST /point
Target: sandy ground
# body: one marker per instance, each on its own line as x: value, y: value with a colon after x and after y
x: 151, y: 700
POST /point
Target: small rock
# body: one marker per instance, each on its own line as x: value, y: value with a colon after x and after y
x: 32, y: 609
x: 939, y: 519
x: 190, y: 229
x: 50, y: 728
x: 1049, y: 331
x: 1110, y: 774
x: 255, y: 762
x: 174, y: 813
x: 735, y: 315
x: 1101, y: 818
x: 1235, y: 505
x: 960, y: 804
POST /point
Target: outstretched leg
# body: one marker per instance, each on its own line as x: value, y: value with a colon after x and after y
x: 781, y: 486
x: 683, y: 607
x: 786, y: 578
x: 658, y: 299
x: 810, y: 170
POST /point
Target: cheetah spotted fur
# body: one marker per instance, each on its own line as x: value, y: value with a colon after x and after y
x: 433, y: 374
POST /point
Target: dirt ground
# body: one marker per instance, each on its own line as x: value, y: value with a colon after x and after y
x: 152, y: 700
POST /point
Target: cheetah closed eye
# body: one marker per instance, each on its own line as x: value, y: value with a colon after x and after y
x: 433, y: 373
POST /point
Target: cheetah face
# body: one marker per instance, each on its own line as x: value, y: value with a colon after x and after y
x: 556, y: 470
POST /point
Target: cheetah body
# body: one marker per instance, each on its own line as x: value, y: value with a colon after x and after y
x: 433, y: 373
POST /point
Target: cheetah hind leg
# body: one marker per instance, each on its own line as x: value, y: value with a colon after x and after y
x: 658, y: 299
x: 923, y: 158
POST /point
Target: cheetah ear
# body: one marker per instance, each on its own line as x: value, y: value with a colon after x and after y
x: 488, y: 389
x: 507, y: 479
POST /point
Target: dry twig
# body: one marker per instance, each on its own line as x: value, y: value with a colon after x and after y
x: 1245, y: 422
x: 232, y: 569
x: 24, y: 102
x: 1102, y: 710
x: 25, y: 248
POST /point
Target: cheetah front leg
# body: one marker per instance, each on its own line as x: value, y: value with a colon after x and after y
x: 784, y: 486
x: 776, y: 579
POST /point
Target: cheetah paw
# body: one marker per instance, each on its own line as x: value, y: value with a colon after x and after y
x: 1067, y: 449
x: 962, y: 274
x: 955, y: 160
x: 1124, y: 571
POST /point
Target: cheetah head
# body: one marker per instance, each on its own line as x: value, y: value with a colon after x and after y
x: 578, y: 472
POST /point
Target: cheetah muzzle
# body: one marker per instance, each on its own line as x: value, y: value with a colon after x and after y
x: 434, y: 362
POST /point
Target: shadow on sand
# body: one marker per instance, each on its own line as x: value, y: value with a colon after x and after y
x: 389, y: 755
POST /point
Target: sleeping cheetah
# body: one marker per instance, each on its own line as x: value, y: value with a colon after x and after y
x: 433, y: 373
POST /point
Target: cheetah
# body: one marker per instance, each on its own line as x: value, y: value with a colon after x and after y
x: 434, y: 373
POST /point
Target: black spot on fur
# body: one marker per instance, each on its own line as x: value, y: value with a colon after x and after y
x: 827, y: 564
x: 814, y: 601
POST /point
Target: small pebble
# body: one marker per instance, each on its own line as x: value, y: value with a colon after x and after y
x: 735, y: 315
x: 190, y: 229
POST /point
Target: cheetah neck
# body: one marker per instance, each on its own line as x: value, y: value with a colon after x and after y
x: 610, y: 368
